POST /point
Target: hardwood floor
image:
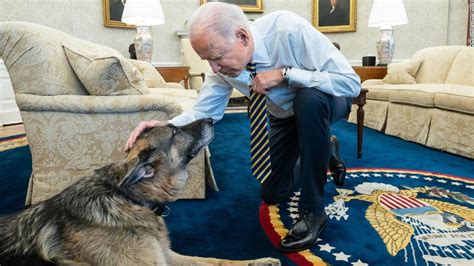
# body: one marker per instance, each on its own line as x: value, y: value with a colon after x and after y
x: 10, y: 130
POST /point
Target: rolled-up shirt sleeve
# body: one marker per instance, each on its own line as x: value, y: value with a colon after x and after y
x: 322, y: 66
x: 211, y: 103
x: 337, y: 84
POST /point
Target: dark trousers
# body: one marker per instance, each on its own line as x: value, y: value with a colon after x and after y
x: 306, y: 136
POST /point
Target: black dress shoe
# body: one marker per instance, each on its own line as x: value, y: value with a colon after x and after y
x: 336, y: 165
x: 304, y: 233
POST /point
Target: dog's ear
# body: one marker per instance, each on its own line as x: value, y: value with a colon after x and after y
x: 137, y: 170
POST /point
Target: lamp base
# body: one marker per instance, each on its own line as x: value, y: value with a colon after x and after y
x: 385, y: 45
x: 143, y: 43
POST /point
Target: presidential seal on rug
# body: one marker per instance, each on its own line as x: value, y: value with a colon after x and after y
x: 392, y: 217
x: 113, y: 217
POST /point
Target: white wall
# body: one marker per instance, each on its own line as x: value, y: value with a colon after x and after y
x: 431, y: 23
x: 9, y: 112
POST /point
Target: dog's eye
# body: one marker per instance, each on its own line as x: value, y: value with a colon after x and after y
x: 148, y: 171
x: 174, y: 130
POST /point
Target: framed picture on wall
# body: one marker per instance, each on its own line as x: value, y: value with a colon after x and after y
x: 255, y: 6
x: 334, y: 15
x: 113, y: 10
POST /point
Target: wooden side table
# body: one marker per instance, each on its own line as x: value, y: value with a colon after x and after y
x: 370, y: 72
x: 364, y: 73
x: 175, y: 74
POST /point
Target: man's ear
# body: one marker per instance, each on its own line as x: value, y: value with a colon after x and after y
x: 136, y: 170
x: 243, y: 36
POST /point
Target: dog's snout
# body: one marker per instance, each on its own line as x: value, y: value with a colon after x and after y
x: 208, y: 120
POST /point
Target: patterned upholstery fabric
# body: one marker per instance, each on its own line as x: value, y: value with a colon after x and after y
x: 437, y: 62
x: 69, y: 131
x: 105, y: 74
x: 438, y: 111
x: 452, y: 131
x: 403, y: 72
x: 152, y: 78
x: 462, y: 69
x: 35, y: 62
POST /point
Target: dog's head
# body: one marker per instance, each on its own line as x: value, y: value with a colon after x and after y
x: 155, y: 167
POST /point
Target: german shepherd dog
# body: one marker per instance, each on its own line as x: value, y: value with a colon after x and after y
x: 113, y: 216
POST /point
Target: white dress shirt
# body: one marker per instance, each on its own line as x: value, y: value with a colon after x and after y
x: 281, y: 39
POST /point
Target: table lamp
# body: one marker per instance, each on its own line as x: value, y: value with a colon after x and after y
x: 385, y: 14
x: 143, y: 14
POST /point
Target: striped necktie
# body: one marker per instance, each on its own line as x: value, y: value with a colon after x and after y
x: 259, y: 144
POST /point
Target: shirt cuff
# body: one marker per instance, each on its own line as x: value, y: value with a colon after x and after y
x: 181, y: 120
x: 300, y: 78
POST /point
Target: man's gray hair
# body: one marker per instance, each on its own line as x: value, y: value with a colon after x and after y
x: 217, y: 17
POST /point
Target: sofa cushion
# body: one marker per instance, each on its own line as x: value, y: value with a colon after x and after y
x: 105, y: 73
x: 35, y: 59
x: 437, y: 62
x: 424, y: 94
x: 462, y: 69
x: 379, y: 92
x: 403, y: 72
x: 457, y: 98
x: 151, y: 76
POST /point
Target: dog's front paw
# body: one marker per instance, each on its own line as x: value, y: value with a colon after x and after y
x: 265, y: 262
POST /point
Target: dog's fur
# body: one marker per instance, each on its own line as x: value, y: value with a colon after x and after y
x: 104, y: 219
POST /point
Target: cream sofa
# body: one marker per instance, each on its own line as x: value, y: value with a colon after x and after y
x: 70, y: 132
x: 436, y: 111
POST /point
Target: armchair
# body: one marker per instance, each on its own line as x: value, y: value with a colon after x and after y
x: 71, y: 132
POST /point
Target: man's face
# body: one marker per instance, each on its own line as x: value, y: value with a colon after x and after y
x: 228, y: 57
x: 333, y: 2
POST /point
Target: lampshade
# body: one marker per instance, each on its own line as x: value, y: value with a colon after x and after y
x: 143, y: 13
x: 387, y: 13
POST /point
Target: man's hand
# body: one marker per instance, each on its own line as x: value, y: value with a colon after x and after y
x: 142, y: 126
x: 264, y: 81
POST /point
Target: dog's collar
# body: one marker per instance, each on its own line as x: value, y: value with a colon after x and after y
x: 159, y: 209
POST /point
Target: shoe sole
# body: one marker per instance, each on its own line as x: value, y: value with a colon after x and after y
x: 285, y: 250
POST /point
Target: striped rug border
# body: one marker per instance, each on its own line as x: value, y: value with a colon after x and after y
x: 14, y: 141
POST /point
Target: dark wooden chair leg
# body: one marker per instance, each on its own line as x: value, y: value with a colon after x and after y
x: 360, y: 129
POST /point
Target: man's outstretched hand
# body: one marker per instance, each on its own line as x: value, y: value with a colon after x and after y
x: 142, y: 126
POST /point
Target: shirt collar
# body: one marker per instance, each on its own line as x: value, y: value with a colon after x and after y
x: 260, y: 55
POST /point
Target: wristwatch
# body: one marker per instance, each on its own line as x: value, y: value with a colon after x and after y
x: 285, y: 72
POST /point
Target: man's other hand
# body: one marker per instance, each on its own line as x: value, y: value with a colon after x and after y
x: 265, y: 80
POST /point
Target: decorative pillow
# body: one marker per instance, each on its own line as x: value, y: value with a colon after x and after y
x: 403, y: 72
x: 151, y: 76
x: 104, y: 73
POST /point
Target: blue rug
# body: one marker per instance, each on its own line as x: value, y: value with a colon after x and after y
x: 227, y: 223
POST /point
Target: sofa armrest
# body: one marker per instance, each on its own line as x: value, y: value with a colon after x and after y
x: 174, y: 85
x: 96, y: 104
x: 371, y: 82
x: 184, y: 98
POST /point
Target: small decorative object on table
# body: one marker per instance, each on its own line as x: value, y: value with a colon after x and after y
x: 368, y: 60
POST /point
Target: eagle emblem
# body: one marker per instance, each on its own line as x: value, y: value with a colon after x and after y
x: 412, y: 218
